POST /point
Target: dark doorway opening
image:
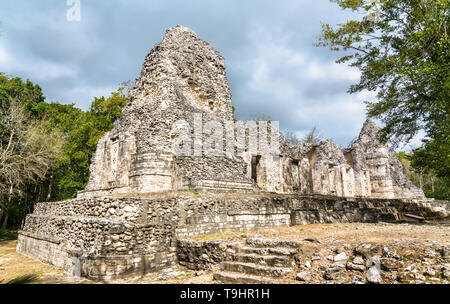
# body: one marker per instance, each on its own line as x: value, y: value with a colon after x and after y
x: 255, y: 163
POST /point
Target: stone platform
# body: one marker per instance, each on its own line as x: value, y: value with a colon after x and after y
x: 115, y: 237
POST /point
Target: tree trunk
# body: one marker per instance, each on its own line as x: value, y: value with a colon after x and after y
x: 5, y: 221
x: 35, y: 192
x: 50, y: 184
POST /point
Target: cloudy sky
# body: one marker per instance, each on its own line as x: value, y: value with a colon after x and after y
x: 273, y: 67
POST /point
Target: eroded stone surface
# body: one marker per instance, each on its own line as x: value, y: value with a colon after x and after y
x: 113, y: 237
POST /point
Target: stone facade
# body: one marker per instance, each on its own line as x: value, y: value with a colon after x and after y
x: 142, y: 197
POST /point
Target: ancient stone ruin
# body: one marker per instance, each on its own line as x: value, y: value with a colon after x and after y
x: 142, y: 196
x: 184, y: 76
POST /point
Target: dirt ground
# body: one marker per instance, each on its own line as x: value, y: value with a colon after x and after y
x: 353, y: 232
x: 14, y: 265
x: 325, y: 240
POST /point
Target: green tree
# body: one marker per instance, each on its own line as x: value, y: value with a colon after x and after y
x: 46, y: 148
x: 107, y: 110
x: 27, y: 93
x: 27, y: 153
x: 28, y: 149
x: 70, y: 173
x: 426, y: 179
x: 401, y: 48
x: 81, y: 131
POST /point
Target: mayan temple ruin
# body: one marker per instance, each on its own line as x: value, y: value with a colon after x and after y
x: 142, y: 197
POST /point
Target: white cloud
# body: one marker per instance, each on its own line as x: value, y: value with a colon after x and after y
x: 83, y: 95
x: 270, y: 56
x: 344, y: 108
x: 331, y: 70
x: 4, y: 56
x: 414, y: 143
x: 341, y: 117
x: 44, y: 70
x: 299, y: 89
x: 280, y: 70
x: 37, y: 69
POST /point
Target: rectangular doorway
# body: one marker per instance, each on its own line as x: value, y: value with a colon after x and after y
x: 255, y: 162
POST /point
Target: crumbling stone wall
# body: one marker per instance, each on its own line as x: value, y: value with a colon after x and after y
x: 201, y: 255
x: 377, y: 163
x: 369, y: 168
x: 118, y: 237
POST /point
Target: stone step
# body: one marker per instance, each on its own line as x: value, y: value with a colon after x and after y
x: 260, y: 242
x: 254, y: 269
x: 266, y: 260
x: 227, y: 277
x: 267, y: 251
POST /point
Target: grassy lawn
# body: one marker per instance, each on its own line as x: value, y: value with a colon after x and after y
x: 18, y: 269
x: 6, y: 234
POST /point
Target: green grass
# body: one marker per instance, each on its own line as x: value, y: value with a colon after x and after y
x: 6, y: 234
x: 26, y: 279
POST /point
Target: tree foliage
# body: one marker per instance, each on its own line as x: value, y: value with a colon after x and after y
x: 46, y: 148
x: 27, y: 93
x: 313, y: 137
x: 401, y: 48
x: 81, y: 131
x: 28, y: 153
x: 432, y: 185
x: 28, y: 148
x: 292, y: 138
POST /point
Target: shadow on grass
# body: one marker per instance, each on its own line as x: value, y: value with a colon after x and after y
x: 8, y: 235
x: 26, y: 279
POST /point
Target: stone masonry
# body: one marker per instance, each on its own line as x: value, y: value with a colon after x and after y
x: 184, y: 76
x: 107, y: 238
x: 141, y: 196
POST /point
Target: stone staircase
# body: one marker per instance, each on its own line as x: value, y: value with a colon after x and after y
x: 258, y: 261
